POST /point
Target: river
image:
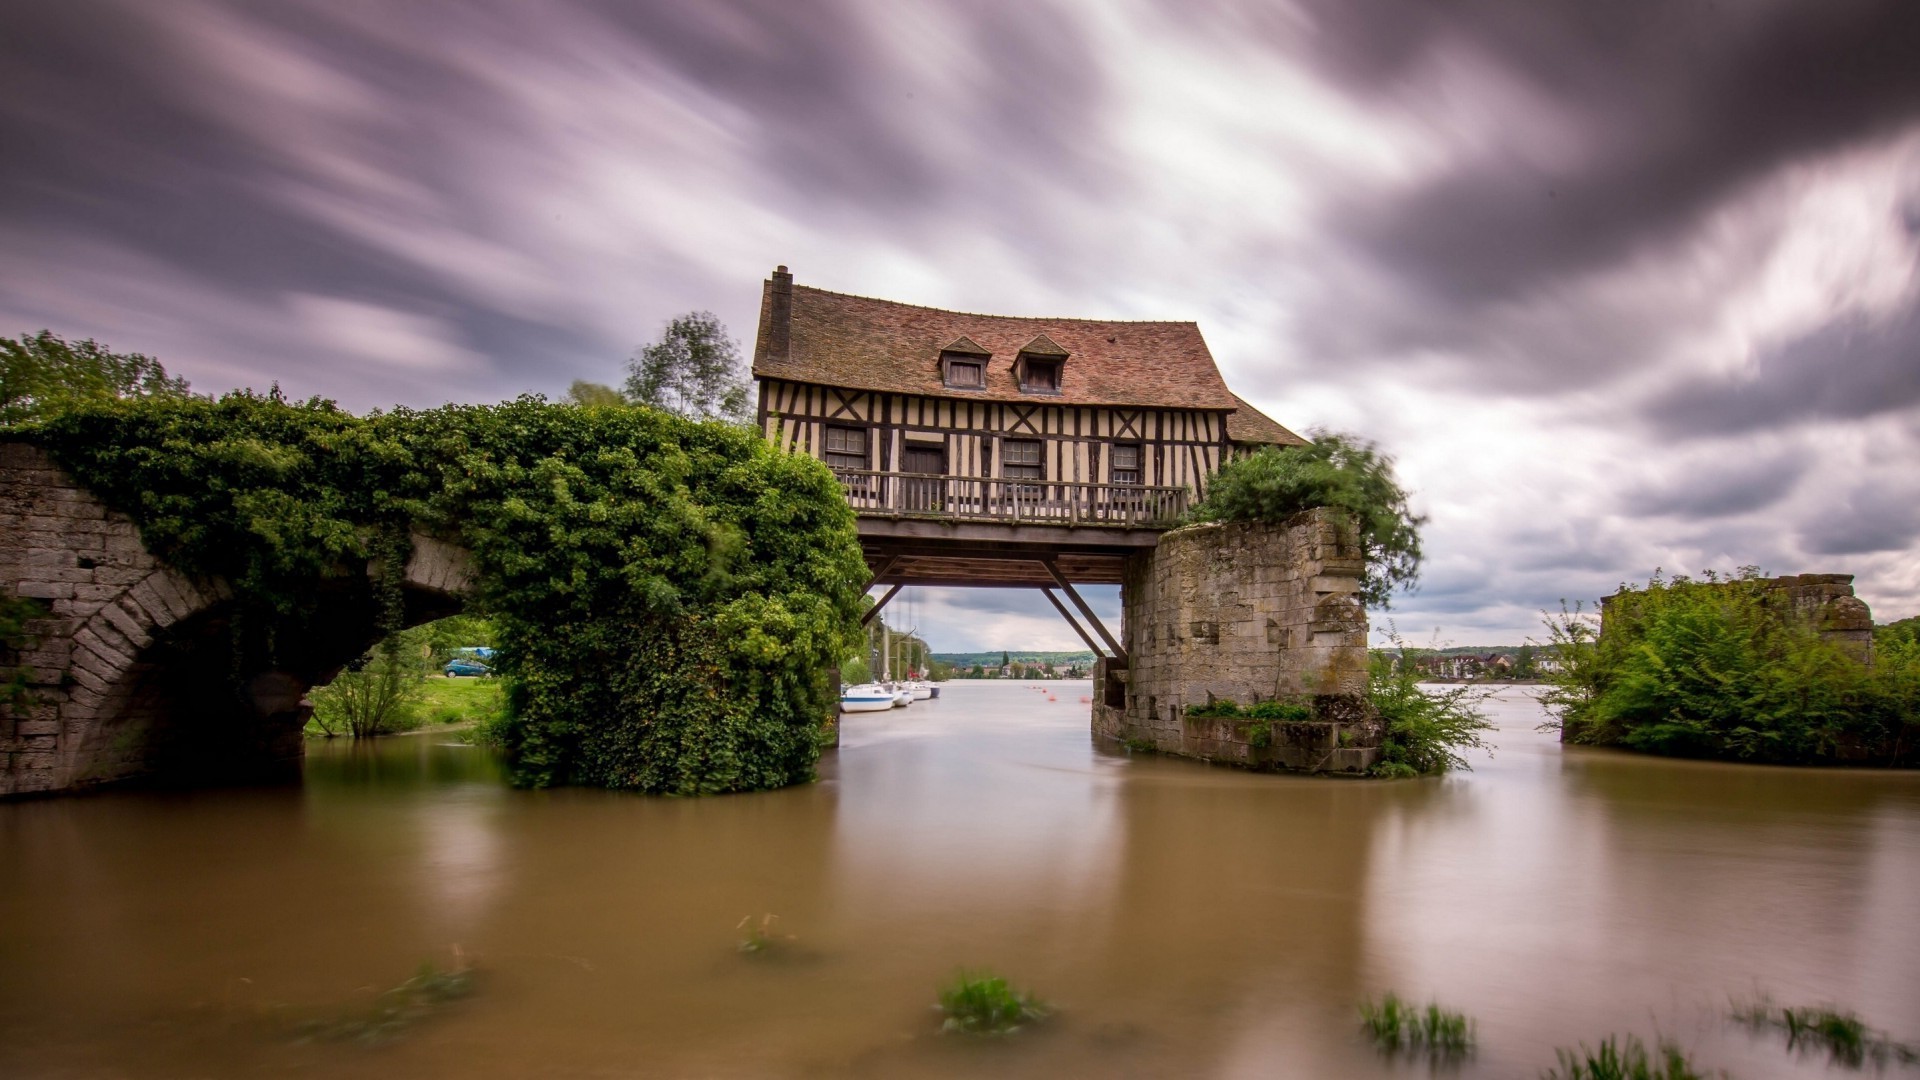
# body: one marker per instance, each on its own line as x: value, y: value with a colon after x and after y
x: 1185, y: 920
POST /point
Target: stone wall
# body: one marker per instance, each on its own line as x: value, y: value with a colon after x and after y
x: 130, y: 670
x: 1249, y: 613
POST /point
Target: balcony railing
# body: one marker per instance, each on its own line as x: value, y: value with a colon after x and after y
x: 1036, y: 502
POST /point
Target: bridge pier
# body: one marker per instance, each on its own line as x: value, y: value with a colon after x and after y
x: 132, y: 672
x: 1247, y: 613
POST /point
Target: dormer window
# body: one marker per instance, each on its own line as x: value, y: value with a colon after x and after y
x: 966, y: 372
x: 1040, y: 376
x: 963, y: 365
x: 1040, y: 366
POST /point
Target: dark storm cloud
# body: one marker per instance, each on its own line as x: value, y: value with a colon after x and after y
x: 1853, y: 367
x: 1736, y: 484
x: 847, y: 115
x: 1653, y: 114
x: 126, y: 129
x: 1870, y: 522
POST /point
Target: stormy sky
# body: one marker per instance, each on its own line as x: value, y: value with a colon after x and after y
x: 1623, y: 286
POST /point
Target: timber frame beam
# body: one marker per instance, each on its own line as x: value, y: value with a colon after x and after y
x: 1060, y: 579
x: 1071, y: 621
x: 875, y: 609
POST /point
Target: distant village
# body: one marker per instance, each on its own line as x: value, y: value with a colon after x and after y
x: 1503, y: 663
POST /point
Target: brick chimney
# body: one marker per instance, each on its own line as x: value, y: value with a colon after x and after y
x: 780, y: 321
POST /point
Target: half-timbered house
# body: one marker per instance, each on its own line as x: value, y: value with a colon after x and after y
x: 989, y: 449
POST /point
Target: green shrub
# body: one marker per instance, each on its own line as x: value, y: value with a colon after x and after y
x: 1426, y: 732
x: 1628, y: 1060
x: 1395, y: 1025
x: 1339, y: 471
x: 667, y: 594
x: 983, y: 1004
x: 1715, y: 669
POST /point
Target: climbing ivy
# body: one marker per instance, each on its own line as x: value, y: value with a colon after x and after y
x: 668, y: 595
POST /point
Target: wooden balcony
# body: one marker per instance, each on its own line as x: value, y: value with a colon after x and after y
x: 1057, y: 503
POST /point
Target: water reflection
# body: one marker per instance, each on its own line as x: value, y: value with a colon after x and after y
x: 1188, y: 920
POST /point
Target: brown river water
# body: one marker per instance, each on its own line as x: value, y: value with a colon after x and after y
x: 1186, y: 920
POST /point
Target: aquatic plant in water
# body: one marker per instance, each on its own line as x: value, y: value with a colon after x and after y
x: 758, y: 936
x: 1843, y: 1035
x: 391, y: 1013
x: 983, y: 1004
x: 1396, y: 1025
x: 1628, y: 1059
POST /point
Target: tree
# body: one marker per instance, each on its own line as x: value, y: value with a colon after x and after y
x: 594, y: 395
x: 1338, y: 471
x: 376, y: 693
x: 44, y: 373
x: 694, y: 370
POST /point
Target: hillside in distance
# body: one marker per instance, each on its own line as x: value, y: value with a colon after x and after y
x: 1083, y: 658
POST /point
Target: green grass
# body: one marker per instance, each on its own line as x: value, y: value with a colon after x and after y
x: 1616, y: 1059
x: 982, y: 1004
x: 1844, y: 1036
x: 1396, y: 1025
x: 454, y: 701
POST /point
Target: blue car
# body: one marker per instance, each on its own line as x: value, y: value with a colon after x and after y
x: 460, y: 665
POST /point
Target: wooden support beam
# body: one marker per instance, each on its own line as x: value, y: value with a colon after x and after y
x: 875, y: 609
x: 1071, y: 621
x: 886, y: 564
x: 1066, y: 587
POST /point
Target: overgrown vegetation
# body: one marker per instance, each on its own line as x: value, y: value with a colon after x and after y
x: 1395, y: 1026
x: 1344, y: 472
x: 1226, y: 708
x: 1261, y: 719
x: 983, y: 1004
x: 43, y: 373
x: 1427, y: 732
x: 667, y: 594
x: 1628, y: 1059
x: 1715, y: 668
x: 1846, y: 1039
x: 15, y: 612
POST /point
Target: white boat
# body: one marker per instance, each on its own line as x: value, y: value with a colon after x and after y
x: 901, y: 695
x: 921, y: 691
x: 866, y: 697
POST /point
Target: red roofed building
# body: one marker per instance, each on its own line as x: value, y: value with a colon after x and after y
x: 923, y: 412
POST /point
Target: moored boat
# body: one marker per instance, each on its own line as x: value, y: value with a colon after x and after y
x: 866, y: 697
x: 921, y: 691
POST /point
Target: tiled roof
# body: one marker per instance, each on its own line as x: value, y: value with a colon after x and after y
x: 1247, y: 424
x: 867, y: 344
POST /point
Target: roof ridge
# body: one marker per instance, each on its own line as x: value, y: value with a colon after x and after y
x: 1009, y: 318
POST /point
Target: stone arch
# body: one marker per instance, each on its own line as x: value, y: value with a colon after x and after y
x: 127, y: 677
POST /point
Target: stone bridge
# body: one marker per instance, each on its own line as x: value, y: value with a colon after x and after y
x: 131, y: 672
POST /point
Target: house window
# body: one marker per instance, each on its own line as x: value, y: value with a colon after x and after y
x: 1020, y: 460
x: 968, y: 374
x: 1042, y: 376
x: 846, y: 448
x: 1126, y: 463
